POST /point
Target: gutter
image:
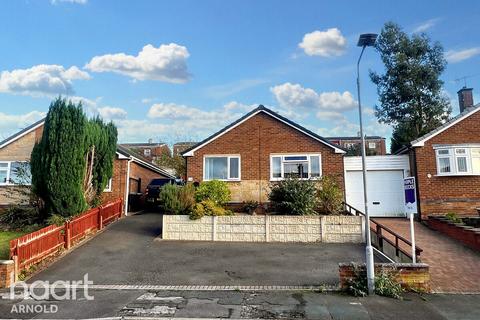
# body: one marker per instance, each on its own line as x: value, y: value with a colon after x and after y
x: 127, y: 186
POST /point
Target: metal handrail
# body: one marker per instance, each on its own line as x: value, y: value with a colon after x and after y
x: 378, y: 231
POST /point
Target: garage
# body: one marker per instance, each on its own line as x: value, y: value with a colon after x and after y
x: 384, y: 182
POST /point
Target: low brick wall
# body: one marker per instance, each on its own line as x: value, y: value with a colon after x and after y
x: 469, y: 236
x: 7, y: 268
x: 411, y: 276
x: 246, y: 228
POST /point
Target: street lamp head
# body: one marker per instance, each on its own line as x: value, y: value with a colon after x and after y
x: 367, y: 40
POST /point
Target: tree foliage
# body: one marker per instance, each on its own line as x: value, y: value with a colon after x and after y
x: 410, y: 90
x: 74, y: 155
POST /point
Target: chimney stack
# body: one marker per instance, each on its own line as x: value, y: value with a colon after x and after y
x: 465, y: 98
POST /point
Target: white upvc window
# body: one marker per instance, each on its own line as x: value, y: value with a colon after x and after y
x: 108, y: 187
x: 458, y: 160
x: 372, y: 145
x: 222, y: 167
x: 15, y: 172
x: 147, y: 152
x: 302, y: 166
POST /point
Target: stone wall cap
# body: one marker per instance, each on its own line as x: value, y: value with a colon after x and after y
x: 6, y: 261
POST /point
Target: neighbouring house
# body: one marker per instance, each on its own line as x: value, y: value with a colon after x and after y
x: 180, y: 147
x: 374, y: 145
x: 260, y: 148
x: 151, y: 151
x: 131, y: 173
x: 446, y: 163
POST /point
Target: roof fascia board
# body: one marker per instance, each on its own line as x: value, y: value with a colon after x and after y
x: 421, y: 142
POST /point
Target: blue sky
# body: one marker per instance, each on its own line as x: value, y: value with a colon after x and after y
x: 175, y: 70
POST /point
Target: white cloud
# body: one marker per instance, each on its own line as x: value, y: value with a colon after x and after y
x: 426, y: 25
x: 41, y: 80
x: 70, y: 1
x: 293, y: 96
x: 112, y: 113
x: 12, y: 123
x: 454, y: 56
x: 324, y: 43
x: 166, y: 63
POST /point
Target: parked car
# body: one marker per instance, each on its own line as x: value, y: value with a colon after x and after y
x: 153, y: 189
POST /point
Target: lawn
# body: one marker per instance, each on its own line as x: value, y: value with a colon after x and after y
x: 5, y: 237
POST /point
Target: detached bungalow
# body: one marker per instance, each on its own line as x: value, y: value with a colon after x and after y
x: 131, y: 173
x: 259, y: 148
x: 446, y: 163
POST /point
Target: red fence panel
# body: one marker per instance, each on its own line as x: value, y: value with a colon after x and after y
x: 111, y: 211
x: 36, y: 246
x: 84, y: 224
x: 33, y: 247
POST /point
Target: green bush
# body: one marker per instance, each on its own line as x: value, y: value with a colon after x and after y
x: 169, y: 198
x: 56, y: 219
x: 208, y: 208
x: 215, y: 190
x: 20, y: 217
x: 453, y: 217
x: 329, y: 195
x: 386, y: 285
x: 294, y: 196
x: 175, y: 199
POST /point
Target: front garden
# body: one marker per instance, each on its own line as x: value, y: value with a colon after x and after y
x: 288, y: 197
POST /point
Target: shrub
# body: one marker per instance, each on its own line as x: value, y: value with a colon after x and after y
x: 329, y: 195
x: 175, y: 199
x: 250, y: 206
x: 208, y: 208
x: 294, y: 196
x: 385, y: 284
x: 56, y: 219
x: 19, y: 217
x: 453, y: 217
x: 215, y: 190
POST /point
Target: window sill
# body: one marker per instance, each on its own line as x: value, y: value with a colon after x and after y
x: 458, y: 175
x: 303, y: 179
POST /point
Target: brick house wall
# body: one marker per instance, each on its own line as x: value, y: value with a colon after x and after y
x: 443, y: 194
x: 118, y: 181
x: 254, y: 140
x: 379, y: 150
x: 19, y: 150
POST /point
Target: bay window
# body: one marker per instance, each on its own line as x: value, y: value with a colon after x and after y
x: 457, y: 160
x: 221, y: 168
x: 15, y: 172
x: 303, y: 166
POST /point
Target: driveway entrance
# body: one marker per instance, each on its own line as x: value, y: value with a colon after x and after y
x: 453, y: 267
x: 128, y: 253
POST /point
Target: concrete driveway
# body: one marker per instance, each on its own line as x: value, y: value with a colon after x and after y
x: 126, y: 253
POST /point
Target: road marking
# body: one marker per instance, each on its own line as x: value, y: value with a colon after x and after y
x: 323, y: 288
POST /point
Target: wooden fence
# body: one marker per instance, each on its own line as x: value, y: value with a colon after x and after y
x: 36, y: 246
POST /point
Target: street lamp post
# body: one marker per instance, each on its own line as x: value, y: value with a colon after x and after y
x: 366, y: 40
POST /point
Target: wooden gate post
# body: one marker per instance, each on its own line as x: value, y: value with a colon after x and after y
x: 100, y: 218
x: 67, y: 235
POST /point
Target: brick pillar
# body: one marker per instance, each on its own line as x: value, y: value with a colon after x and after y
x: 7, y: 277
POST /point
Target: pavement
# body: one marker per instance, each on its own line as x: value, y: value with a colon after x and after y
x: 136, y: 304
x: 454, y: 268
x: 128, y: 252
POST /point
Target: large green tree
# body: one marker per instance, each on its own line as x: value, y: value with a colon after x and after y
x: 410, y: 90
x: 73, y: 161
x: 58, y: 160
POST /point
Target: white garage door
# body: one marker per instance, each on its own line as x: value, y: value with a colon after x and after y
x: 385, y: 192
